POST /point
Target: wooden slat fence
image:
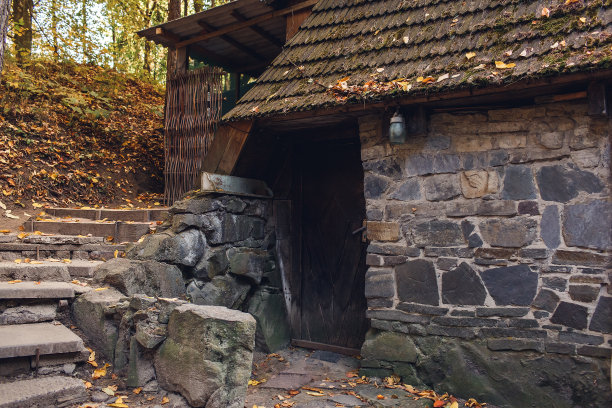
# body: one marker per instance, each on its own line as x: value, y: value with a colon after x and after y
x: 193, y: 109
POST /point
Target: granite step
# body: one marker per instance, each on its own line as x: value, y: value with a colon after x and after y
x: 47, y: 270
x: 38, y: 290
x: 26, y: 314
x: 120, y: 231
x: 55, y: 391
x: 23, y: 340
x: 138, y: 214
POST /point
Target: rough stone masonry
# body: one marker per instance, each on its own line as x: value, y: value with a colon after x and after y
x: 490, y: 253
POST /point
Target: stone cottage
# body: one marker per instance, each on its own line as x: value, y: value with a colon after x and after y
x: 440, y: 172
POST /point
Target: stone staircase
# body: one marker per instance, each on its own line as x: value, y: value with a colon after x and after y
x: 38, y: 268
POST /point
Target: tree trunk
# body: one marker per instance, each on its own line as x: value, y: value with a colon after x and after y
x: 86, y: 53
x: 54, y: 21
x: 4, y: 17
x: 22, y: 19
x: 174, y: 12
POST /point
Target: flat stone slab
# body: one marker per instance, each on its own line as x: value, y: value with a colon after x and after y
x: 288, y: 381
x: 42, y: 392
x: 62, y: 240
x: 83, y: 268
x: 28, y: 314
x: 35, y: 290
x: 24, y: 339
x: 47, y: 271
x: 392, y: 397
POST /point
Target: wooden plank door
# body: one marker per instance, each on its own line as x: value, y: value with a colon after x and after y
x: 330, y: 257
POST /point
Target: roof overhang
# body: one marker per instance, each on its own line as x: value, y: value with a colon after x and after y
x: 241, y: 36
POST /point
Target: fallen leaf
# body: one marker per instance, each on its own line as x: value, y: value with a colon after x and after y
x: 470, y: 55
x: 137, y: 390
x: 454, y: 404
x: 380, y: 397
x: 101, y: 289
x: 108, y: 391
x: 503, y: 65
x: 545, y: 12
x: 165, y: 400
x: 255, y: 382
x: 439, y: 403
x: 442, y: 77
x: 100, y: 372
x: 582, y: 20
x: 315, y: 394
x: 87, y: 384
x: 116, y: 253
x: 66, y: 261
x: 16, y: 280
x: 5, y: 231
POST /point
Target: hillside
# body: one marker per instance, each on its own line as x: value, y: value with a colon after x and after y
x: 78, y: 135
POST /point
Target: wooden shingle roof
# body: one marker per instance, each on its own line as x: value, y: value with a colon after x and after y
x: 391, y: 48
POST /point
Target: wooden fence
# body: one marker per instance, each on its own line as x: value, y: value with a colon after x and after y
x: 193, y: 109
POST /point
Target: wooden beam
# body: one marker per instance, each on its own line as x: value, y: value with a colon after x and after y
x: 169, y: 35
x: 226, y: 147
x: 244, y: 24
x: 210, y: 28
x: 528, y: 87
x: 258, y: 30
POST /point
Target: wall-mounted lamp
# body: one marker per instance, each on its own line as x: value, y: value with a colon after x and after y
x: 397, y: 129
x: 400, y: 128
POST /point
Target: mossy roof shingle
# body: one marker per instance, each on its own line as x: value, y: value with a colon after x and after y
x: 385, y: 40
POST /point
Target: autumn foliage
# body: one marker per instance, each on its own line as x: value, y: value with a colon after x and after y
x: 75, y: 134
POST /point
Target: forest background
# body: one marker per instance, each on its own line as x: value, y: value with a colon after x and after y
x: 95, y: 32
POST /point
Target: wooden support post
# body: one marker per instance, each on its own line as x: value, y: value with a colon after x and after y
x: 182, y: 60
x: 598, y: 104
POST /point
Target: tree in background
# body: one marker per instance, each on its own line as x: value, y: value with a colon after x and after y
x: 22, y: 28
x: 5, y: 6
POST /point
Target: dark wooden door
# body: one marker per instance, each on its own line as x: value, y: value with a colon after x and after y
x: 329, y: 207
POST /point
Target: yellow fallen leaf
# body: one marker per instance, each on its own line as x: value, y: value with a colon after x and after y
x: 470, y: 55
x: 5, y: 231
x: 100, y: 289
x: 255, y: 382
x: 116, y: 253
x: 36, y: 205
x: 100, y: 372
x: 22, y: 235
x: 582, y: 20
x: 380, y: 397
x: 14, y: 281
x: 165, y: 400
x: 17, y: 261
x: 454, y: 404
x: 118, y: 405
x: 315, y: 394
x: 137, y: 390
x: 109, y: 391
x: 545, y: 12
x: 503, y: 65
x: 93, y: 363
x: 66, y: 261
x: 37, y: 233
x: 87, y: 384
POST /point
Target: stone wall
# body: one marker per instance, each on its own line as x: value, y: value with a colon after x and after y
x: 224, y: 246
x: 492, y: 231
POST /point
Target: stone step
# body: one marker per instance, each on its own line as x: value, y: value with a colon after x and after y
x: 36, y: 290
x: 26, y: 314
x: 21, y: 250
x: 47, y: 270
x: 22, y: 340
x: 121, y: 231
x: 55, y: 391
x: 141, y: 215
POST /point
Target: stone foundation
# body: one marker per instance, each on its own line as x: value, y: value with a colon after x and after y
x: 492, y: 233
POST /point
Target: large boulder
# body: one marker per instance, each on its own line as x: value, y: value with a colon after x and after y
x: 207, y: 356
x: 225, y: 290
x: 90, y: 312
x: 142, y: 277
x: 185, y: 248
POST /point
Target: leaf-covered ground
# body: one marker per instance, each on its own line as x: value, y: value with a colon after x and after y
x: 78, y: 135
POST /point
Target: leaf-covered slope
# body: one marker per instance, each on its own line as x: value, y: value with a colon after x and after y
x: 78, y: 135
